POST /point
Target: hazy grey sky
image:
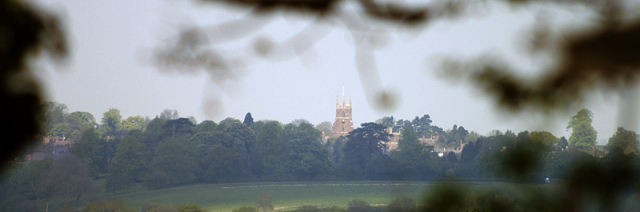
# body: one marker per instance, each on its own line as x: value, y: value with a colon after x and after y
x: 109, y: 38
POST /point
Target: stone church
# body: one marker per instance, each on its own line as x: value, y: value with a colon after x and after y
x: 343, y: 123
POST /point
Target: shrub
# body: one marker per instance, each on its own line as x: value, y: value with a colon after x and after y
x: 245, y: 209
x: 402, y: 204
x: 265, y: 202
x: 191, y: 207
x: 358, y: 205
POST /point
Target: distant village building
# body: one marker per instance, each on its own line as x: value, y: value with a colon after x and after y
x: 393, y: 140
x: 56, y: 140
x: 343, y: 123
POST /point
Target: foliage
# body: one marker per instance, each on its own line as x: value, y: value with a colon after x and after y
x: 402, y: 204
x: 444, y: 198
x: 155, y: 133
x: 60, y: 129
x: 23, y: 185
x: 92, y: 148
x: 131, y: 152
x: 272, y: 149
x: 524, y: 159
x: 150, y: 207
x: 624, y: 140
x: 133, y: 123
x: 111, y: 122
x: 168, y: 114
x: 265, y: 202
x: 226, y: 122
x: 178, y: 127
x: 583, y: 135
x: 191, y: 207
x: 454, y: 137
x: 105, y: 205
x: 363, y: 145
x: 176, y: 159
x: 306, y: 159
x: 224, y: 165
x: 414, y: 159
x: 129, y: 164
x: 68, y: 177
x: 205, y: 126
x: 248, y: 120
x: 358, y: 205
x: 245, y: 209
x: 337, y: 150
x: 422, y: 126
x: 326, y: 127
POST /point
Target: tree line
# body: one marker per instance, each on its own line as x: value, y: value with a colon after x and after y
x: 170, y: 151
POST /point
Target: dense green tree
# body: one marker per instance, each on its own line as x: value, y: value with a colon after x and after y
x: 386, y: 121
x: 471, y: 137
x: 583, y: 135
x: 226, y: 122
x: 133, y: 123
x: 403, y: 204
x: 193, y: 120
x: 93, y: 149
x: 118, y: 178
x: 326, y: 127
x: 221, y: 158
x: 176, y: 158
x: 491, y: 152
x: 69, y: 177
x: 61, y: 129
x: 524, y: 160
x: 224, y: 165
x: 205, y: 126
x: 104, y: 205
x: 422, y: 126
x: 307, y: 159
x: 81, y: 121
x: 413, y: 157
x: 24, y: 184
x: 564, y: 143
x: 111, y: 122
x: 470, y: 151
x: 272, y: 150
x: 544, y: 137
x: 191, y: 207
x: 401, y: 124
x: 248, y: 120
x: 245, y: 209
x: 178, y: 127
x: 451, y: 157
x: 624, y: 140
x: 337, y: 149
x: 265, y: 202
x: 155, y: 133
x: 52, y: 113
x: 132, y: 154
x: 363, y: 146
x: 244, y: 139
x: 358, y: 205
x: 168, y: 114
x: 454, y: 137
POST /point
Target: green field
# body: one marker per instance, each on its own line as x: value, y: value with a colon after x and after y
x: 288, y: 195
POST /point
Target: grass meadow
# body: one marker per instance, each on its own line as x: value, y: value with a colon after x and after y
x: 289, y: 195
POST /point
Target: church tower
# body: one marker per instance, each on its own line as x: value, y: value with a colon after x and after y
x: 343, y: 123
